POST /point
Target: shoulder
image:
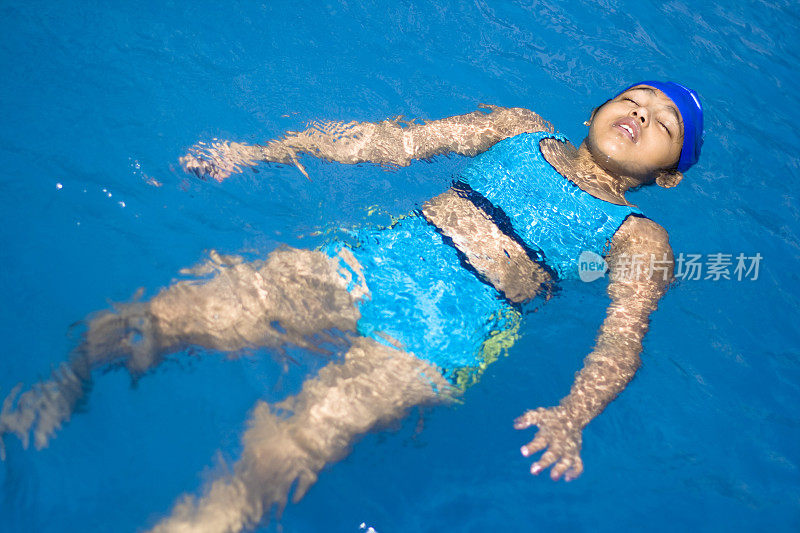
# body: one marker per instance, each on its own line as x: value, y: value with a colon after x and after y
x: 511, y: 121
x: 640, y: 252
x: 641, y: 233
x: 645, y: 227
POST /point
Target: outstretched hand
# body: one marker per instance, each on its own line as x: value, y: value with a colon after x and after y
x: 560, y: 435
x: 217, y: 160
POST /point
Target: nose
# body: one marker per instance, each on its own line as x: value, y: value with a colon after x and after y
x: 641, y: 114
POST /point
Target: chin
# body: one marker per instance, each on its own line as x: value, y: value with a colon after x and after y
x: 614, y: 162
x: 607, y: 152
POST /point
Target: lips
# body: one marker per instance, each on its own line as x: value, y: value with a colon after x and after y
x: 630, y: 127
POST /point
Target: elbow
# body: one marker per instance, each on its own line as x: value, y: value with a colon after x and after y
x: 387, y: 143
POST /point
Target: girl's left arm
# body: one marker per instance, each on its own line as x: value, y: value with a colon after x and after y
x: 641, y: 266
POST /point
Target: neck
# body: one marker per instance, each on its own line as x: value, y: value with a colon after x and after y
x: 614, y: 183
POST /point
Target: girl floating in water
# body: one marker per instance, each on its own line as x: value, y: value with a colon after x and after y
x: 426, y: 302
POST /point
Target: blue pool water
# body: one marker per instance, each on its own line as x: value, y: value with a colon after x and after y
x: 98, y: 102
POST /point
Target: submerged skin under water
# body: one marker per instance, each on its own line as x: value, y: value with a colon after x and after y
x: 295, y: 296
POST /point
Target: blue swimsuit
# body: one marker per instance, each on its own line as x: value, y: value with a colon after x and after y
x: 422, y: 299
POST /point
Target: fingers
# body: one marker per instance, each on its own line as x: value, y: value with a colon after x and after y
x: 537, y: 444
x: 530, y: 418
x: 193, y: 164
x: 280, y: 505
x: 562, y: 440
x: 547, y: 459
x: 560, y: 468
x: 220, y: 174
x: 575, y: 471
x: 204, y: 169
x: 305, y: 481
x: 570, y: 467
x: 523, y: 421
x: 204, y: 165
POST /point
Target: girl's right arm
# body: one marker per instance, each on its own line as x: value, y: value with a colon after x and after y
x: 389, y: 142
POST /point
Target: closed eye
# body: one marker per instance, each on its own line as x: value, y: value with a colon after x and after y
x: 665, y: 128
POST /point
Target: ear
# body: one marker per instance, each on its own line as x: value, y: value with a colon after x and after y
x: 668, y: 178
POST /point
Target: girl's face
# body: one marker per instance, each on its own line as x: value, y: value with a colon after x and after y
x: 637, y: 133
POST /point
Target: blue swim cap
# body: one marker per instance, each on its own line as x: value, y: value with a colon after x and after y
x: 688, y: 103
